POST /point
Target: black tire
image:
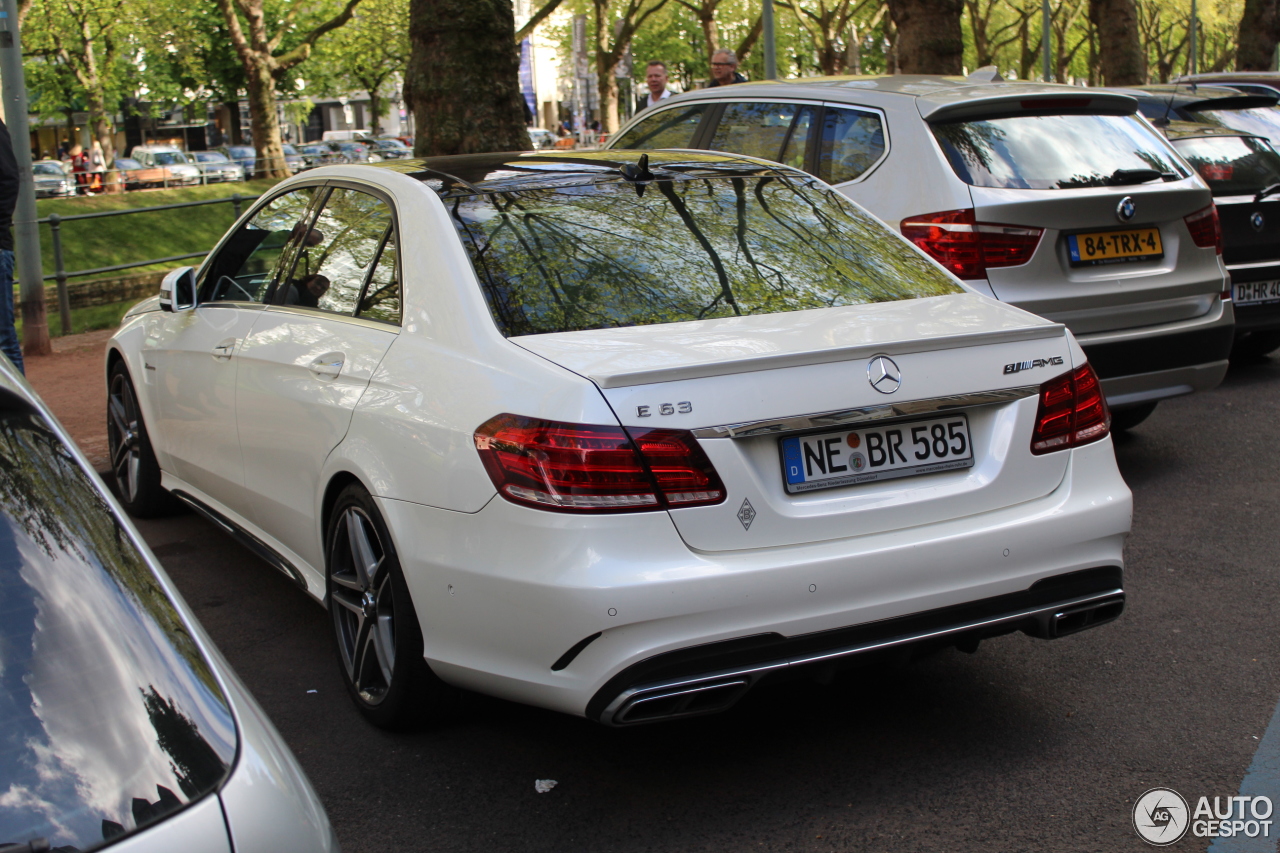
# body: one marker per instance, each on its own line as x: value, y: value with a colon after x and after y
x: 133, y: 462
x: 375, y: 626
x: 1252, y: 346
x: 1127, y: 419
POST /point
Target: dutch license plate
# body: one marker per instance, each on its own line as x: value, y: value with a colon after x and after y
x: 848, y: 457
x: 1110, y: 247
x: 1255, y: 292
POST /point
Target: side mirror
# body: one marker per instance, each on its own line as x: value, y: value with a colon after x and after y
x: 178, y: 290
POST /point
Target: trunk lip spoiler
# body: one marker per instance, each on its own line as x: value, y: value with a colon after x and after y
x: 775, y: 361
x: 863, y: 414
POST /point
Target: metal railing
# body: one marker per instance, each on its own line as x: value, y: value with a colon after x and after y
x: 60, y: 274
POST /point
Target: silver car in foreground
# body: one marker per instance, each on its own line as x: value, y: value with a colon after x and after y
x: 1056, y: 199
x: 120, y: 724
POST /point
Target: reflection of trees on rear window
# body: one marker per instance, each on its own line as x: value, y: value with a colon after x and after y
x: 1052, y: 152
x: 602, y: 255
x: 1263, y: 121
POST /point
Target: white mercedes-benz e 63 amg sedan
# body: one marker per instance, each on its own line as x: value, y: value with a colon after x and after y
x: 619, y: 434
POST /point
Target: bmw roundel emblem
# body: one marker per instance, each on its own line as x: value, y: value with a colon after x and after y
x: 883, y: 374
x: 1257, y: 221
x: 1126, y: 209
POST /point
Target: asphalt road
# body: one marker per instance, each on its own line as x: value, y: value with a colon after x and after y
x: 1025, y: 745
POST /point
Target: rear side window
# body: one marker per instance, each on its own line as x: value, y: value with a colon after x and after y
x: 1232, y: 165
x: 672, y: 128
x: 671, y: 250
x: 852, y: 142
x: 756, y: 129
x: 1052, y: 152
x: 110, y: 717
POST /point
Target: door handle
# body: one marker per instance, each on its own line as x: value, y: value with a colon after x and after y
x: 329, y: 364
x: 224, y: 349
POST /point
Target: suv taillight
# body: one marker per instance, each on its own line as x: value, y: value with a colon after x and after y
x: 1072, y: 412
x: 966, y: 247
x: 584, y: 468
x: 1205, y: 228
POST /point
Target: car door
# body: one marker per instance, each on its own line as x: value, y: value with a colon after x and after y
x: 191, y: 356
x: 309, y: 359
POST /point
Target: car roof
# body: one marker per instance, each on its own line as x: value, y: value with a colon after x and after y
x: 937, y: 97
x: 469, y: 174
x: 1270, y: 78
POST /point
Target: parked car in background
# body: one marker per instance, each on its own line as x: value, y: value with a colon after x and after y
x: 320, y: 154
x: 1253, y: 113
x: 345, y: 135
x: 389, y: 148
x: 123, y: 726
x: 137, y: 176
x: 648, y: 429
x: 358, y: 152
x: 1057, y: 199
x: 1243, y: 172
x: 52, y: 179
x: 540, y: 138
x: 1254, y: 82
x: 178, y: 167
x: 247, y: 157
x: 216, y: 168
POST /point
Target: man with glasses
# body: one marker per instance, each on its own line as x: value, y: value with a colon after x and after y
x: 724, y: 69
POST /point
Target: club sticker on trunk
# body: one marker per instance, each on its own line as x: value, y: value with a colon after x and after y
x: 846, y: 458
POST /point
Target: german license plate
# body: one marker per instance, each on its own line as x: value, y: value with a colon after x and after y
x: 1111, y: 247
x: 1255, y: 292
x: 849, y: 457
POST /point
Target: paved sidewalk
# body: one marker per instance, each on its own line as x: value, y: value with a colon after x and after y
x: 71, y: 382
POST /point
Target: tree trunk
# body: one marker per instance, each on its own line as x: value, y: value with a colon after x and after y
x: 106, y: 136
x: 1119, y: 43
x: 606, y: 63
x: 375, y: 107
x: 930, y: 39
x: 1259, y: 34
x: 463, y: 79
x: 264, y: 124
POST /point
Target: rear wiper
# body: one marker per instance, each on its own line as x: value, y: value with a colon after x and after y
x: 1122, y: 177
x: 1266, y: 191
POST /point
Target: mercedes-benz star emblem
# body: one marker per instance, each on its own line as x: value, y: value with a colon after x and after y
x: 1257, y: 221
x: 1126, y: 209
x: 883, y: 374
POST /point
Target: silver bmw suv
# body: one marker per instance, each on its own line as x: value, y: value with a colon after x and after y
x: 1057, y: 199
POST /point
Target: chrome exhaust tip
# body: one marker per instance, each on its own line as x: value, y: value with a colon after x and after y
x: 674, y: 702
x: 1075, y: 619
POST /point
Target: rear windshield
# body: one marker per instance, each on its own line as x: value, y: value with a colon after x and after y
x: 1232, y: 165
x: 1262, y: 121
x: 1052, y: 152
x: 616, y: 254
x: 110, y: 717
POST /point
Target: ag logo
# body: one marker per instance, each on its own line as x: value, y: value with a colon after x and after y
x: 1160, y: 816
x: 1126, y: 209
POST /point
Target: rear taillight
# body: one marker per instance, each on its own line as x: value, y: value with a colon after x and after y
x: 1072, y: 412
x: 1205, y: 228
x: 583, y: 468
x: 966, y: 247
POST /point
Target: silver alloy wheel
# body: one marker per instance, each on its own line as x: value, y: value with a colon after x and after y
x: 123, y: 437
x: 362, y: 605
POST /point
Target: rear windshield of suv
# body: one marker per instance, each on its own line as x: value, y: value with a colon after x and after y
x: 1263, y: 121
x: 110, y: 716
x: 1052, y: 152
x: 1232, y: 165
x: 607, y: 254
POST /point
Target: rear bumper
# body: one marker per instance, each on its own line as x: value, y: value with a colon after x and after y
x: 554, y: 610
x: 709, y: 678
x: 1155, y: 362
